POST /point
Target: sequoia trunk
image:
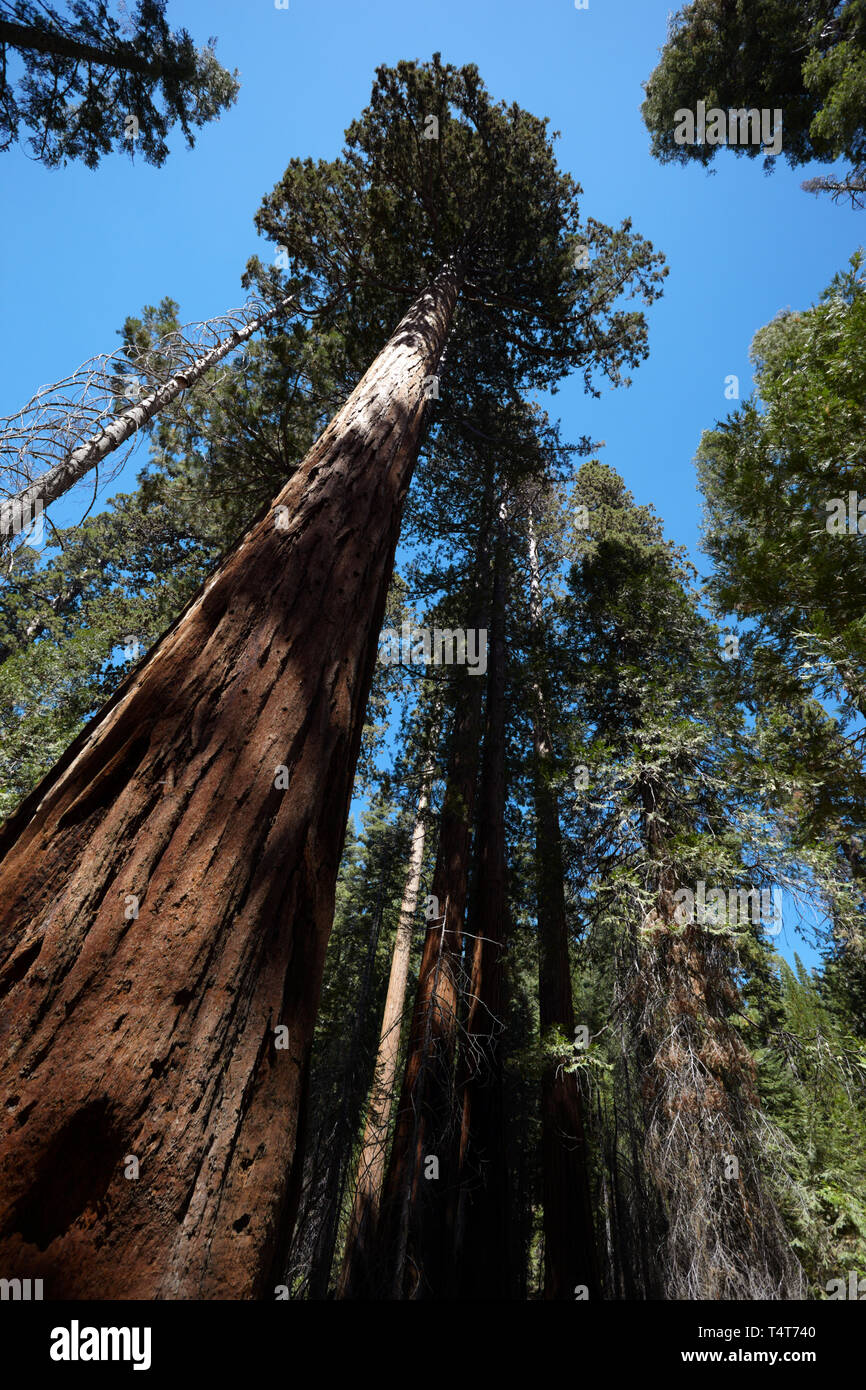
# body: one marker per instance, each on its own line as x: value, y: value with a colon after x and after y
x: 167, y: 905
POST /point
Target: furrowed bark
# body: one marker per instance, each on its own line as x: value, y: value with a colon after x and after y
x: 724, y: 1237
x: 55, y: 481
x: 357, y: 1277
x: 154, y: 1035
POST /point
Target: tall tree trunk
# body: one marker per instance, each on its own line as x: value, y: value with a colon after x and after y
x: 569, y: 1234
x: 412, y: 1246
x: 483, y: 1231
x: 411, y: 1243
x: 55, y: 481
x: 357, y: 1278
x: 725, y: 1238
x: 167, y: 906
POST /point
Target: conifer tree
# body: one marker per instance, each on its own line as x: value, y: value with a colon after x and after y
x: 94, y: 82
x: 667, y: 742
x: 231, y: 748
x: 802, y: 59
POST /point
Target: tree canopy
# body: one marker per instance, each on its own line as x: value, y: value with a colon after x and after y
x: 804, y: 57
x: 85, y: 82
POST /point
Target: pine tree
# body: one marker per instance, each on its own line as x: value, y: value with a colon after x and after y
x: 93, y: 82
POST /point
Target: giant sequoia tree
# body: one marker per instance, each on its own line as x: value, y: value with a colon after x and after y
x: 168, y: 888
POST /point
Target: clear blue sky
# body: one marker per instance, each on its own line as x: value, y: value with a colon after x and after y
x: 82, y: 249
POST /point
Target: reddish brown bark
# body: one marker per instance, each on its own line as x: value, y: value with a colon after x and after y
x: 154, y: 1036
x: 413, y: 1243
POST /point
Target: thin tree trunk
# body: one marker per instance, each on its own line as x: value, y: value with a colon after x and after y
x: 357, y: 1279
x: 412, y: 1241
x: 181, y: 1036
x: 569, y: 1234
x: 483, y: 1226
x: 62, y: 476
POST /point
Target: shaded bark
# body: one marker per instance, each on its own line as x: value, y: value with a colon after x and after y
x: 358, y: 1278
x: 153, y: 1034
x: 412, y: 1247
x: 724, y: 1237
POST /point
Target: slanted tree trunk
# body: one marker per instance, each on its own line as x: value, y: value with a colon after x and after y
x: 29, y: 38
x: 482, y: 1234
x: 357, y: 1278
x: 55, y: 481
x: 569, y: 1235
x: 166, y: 905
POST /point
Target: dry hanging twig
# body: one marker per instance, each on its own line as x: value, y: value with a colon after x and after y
x: 74, y: 424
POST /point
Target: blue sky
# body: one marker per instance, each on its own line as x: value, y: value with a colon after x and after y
x: 82, y: 249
